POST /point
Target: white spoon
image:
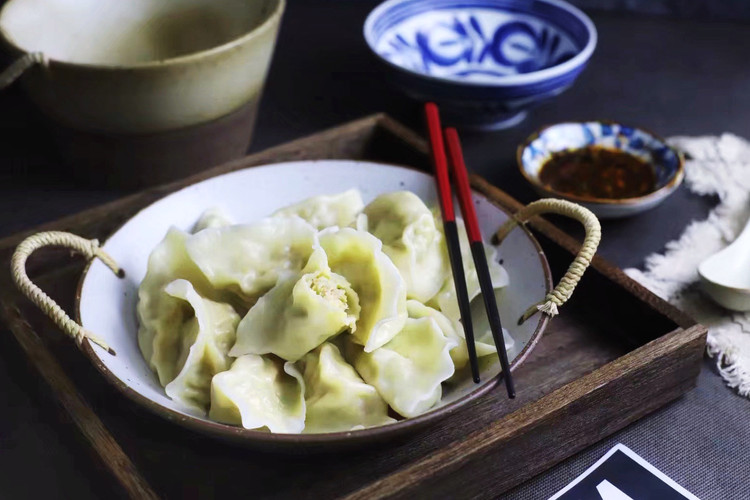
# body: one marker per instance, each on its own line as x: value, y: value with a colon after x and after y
x: 725, y: 275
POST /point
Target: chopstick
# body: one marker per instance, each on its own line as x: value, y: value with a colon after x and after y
x: 440, y: 164
x: 477, y: 251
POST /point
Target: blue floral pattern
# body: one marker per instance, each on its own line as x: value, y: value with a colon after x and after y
x: 471, y: 46
x: 480, y: 60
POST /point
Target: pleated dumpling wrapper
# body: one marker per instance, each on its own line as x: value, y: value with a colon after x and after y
x: 157, y: 311
x: 212, y: 217
x: 196, y: 347
x: 446, y: 299
x: 411, y: 239
x: 327, y: 210
x: 258, y: 392
x: 459, y: 353
x: 337, y: 398
x: 408, y: 371
x: 358, y: 256
x: 249, y: 258
x: 484, y: 343
x: 301, y: 312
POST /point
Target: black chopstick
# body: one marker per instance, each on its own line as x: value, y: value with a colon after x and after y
x: 466, y: 203
x: 445, y: 196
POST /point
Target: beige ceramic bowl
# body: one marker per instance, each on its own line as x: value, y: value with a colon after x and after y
x: 141, y: 92
x: 141, y: 66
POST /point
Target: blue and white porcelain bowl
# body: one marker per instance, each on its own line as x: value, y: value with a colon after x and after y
x: 483, y: 61
x: 667, y: 162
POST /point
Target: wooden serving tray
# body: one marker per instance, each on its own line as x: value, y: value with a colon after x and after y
x: 615, y: 353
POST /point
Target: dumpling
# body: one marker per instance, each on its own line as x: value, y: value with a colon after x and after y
x: 249, y: 258
x: 195, y: 348
x: 358, y: 257
x: 299, y: 313
x: 482, y: 331
x: 337, y: 399
x: 411, y: 239
x: 327, y: 210
x: 446, y: 299
x: 212, y: 217
x: 486, y: 344
x: 459, y: 353
x: 157, y: 311
x: 257, y: 392
x: 408, y: 371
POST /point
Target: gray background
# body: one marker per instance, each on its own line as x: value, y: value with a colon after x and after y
x: 673, y: 75
x: 696, y: 9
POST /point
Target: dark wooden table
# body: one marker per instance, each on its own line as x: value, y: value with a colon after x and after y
x: 676, y: 77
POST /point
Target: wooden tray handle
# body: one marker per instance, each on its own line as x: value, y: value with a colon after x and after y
x: 564, y: 289
x: 89, y: 248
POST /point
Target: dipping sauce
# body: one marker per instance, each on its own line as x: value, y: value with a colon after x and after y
x: 597, y: 172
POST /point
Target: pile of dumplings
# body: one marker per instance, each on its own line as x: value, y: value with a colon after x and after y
x: 326, y: 316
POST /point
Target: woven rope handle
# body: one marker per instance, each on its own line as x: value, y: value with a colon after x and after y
x: 89, y: 248
x: 19, y: 66
x: 564, y: 289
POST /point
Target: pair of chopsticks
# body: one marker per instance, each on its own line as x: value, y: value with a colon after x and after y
x: 463, y: 190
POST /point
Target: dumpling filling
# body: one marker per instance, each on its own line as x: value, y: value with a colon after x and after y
x: 358, y: 256
x: 333, y: 289
x: 301, y: 312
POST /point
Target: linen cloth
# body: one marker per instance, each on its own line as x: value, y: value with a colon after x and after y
x: 718, y: 166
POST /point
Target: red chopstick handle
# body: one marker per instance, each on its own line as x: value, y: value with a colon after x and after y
x: 439, y: 161
x: 462, y: 185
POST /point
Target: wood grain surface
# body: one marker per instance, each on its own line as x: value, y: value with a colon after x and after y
x: 616, y: 353
x: 105, y: 446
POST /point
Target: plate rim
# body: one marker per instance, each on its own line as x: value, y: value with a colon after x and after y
x: 260, y: 437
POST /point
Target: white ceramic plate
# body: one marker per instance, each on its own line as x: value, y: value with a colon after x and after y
x: 107, y: 305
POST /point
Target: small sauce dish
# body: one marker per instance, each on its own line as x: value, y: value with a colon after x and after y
x: 611, y: 169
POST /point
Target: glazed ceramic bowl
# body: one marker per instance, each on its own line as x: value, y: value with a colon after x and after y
x: 107, y: 305
x: 130, y: 74
x: 483, y: 61
x: 142, y: 66
x: 667, y: 162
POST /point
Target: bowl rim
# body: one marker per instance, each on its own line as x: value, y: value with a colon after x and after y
x: 702, y: 273
x: 272, y: 19
x: 727, y: 288
x: 502, y: 81
x: 663, y: 191
x: 259, y: 437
